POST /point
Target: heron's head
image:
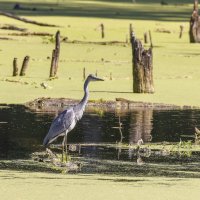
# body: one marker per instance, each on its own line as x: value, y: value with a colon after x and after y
x: 92, y: 77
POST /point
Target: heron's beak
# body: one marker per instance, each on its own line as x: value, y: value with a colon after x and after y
x: 98, y: 79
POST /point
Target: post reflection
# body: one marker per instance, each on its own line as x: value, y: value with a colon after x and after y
x: 141, y: 125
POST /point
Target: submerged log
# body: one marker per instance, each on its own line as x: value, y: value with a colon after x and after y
x: 24, y: 66
x: 194, y: 32
x: 142, y: 67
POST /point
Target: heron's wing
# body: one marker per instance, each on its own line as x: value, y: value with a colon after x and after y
x: 59, y: 125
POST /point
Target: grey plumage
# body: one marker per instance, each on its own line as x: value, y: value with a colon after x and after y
x: 67, y: 120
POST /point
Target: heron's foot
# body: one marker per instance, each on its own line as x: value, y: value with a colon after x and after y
x: 68, y: 158
x: 65, y: 158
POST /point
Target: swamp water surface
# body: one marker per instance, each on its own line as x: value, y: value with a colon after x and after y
x: 96, y: 140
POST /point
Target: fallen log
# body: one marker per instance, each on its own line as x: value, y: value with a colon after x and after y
x: 93, y: 42
x: 5, y: 38
x: 26, y: 20
x: 31, y: 34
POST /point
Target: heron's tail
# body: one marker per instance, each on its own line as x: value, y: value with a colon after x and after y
x: 46, y: 142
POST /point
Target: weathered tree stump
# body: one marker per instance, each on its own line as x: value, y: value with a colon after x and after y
x: 15, y: 68
x: 55, y: 56
x: 142, y: 67
x: 24, y: 66
x: 194, y: 32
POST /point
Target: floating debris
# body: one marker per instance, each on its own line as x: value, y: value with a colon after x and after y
x: 45, y: 85
x: 50, y: 158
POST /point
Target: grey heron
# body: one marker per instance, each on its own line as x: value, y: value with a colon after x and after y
x: 67, y: 120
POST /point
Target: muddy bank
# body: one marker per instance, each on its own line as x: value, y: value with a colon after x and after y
x: 52, y: 104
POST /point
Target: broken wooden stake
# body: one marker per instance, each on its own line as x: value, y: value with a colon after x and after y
x: 145, y: 38
x: 150, y: 38
x: 52, y: 64
x: 24, y: 66
x: 15, y: 68
x: 111, y: 76
x: 102, y: 31
x: 142, y: 67
x: 181, y: 31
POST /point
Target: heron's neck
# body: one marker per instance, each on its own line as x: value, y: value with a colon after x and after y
x: 84, y: 100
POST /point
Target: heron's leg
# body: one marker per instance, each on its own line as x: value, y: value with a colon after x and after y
x: 63, y: 148
x: 66, y: 146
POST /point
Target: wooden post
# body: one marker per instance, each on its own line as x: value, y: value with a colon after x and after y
x: 150, y: 38
x: 181, y: 31
x: 57, y: 51
x: 24, y: 66
x: 96, y: 73
x: 102, y: 31
x: 111, y: 76
x: 127, y: 39
x: 84, y: 75
x: 145, y: 38
x: 194, y: 32
x: 142, y: 67
x: 55, y: 56
x: 15, y: 68
x: 52, y: 64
